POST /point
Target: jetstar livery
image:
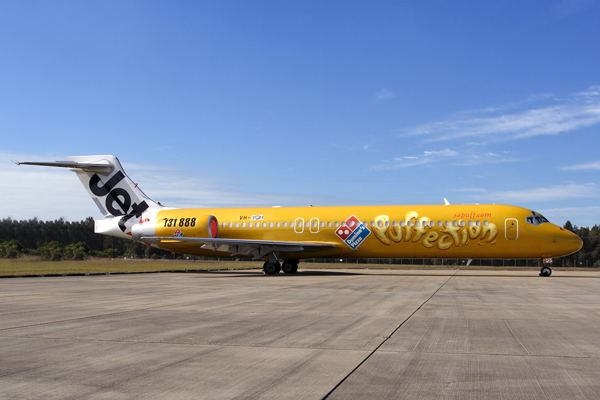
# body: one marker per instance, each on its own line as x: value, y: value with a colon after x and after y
x: 293, y: 233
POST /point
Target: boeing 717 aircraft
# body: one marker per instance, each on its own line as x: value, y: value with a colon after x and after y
x: 283, y: 236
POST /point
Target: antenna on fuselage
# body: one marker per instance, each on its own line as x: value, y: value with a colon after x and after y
x: 446, y: 202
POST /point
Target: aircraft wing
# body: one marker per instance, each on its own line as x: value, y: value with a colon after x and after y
x: 256, y: 248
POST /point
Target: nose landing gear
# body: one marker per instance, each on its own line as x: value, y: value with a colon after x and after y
x: 545, y: 271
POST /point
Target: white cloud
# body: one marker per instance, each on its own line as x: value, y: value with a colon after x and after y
x: 592, y: 166
x: 427, y: 157
x: 384, y: 94
x: 579, y: 111
x: 565, y: 8
x: 550, y: 193
x: 591, y: 91
x: 442, y: 153
x: 580, y: 216
x: 52, y: 193
x: 488, y: 158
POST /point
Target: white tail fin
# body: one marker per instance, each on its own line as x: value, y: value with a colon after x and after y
x: 112, y: 190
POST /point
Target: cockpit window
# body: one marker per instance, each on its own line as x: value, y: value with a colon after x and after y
x: 536, y: 219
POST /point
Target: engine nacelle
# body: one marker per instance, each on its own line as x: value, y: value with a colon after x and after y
x: 178, y: 223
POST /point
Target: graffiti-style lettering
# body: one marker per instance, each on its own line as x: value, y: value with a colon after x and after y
x: 422, y: 230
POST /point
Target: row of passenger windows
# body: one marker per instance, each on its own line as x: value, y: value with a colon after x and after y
x: 335, y: 224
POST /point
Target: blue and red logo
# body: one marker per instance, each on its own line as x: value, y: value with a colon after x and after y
x: 352, y: 232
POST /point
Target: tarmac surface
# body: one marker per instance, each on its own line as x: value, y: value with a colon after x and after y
x: 339, y: 334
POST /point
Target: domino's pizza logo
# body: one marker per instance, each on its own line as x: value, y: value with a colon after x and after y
x: 353, y: 232
x: 178, y: 233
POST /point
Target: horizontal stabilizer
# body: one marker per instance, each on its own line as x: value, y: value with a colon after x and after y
x: 98, y: 167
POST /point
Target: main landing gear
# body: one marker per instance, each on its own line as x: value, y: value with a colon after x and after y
x: 288, y: 267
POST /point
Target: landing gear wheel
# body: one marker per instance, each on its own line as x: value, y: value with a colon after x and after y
x: 545, y: 271
x: 271, y: 268
x: 289, y: 266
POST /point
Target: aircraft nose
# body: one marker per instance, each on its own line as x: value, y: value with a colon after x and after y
x: 570, y: 243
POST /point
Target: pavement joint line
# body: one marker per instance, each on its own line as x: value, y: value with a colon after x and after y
x: 460, y: 353
x: 386, y: 338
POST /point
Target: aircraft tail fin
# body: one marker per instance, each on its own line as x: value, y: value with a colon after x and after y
x: 112, y: 190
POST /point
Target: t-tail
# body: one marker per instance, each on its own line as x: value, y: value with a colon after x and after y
x: 119, y: 199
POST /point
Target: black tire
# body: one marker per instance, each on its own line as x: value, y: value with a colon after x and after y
x: 271, y: 268
x: 546, y: 271
x: 289, y: 267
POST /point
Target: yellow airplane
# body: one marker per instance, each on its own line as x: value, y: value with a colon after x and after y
x: 293, y: 233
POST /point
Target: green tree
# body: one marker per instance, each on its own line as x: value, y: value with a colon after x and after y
x: 76, y: 251
x: 11, y: 249
x: 52, y: 251
x: 111, y: 253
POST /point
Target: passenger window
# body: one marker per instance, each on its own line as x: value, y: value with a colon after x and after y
x: 402, y: 223
x: 223, y: 225
x: 285, y: 224
x: 351, y: 224
x: 231, y: 225
x: 322, y: 224
x: 416, y: 223
x: 462, y: 223
x: 344, y: 223
x: 329, y: 224
x: 439, y: 223
x: 447, y: 223
x: 336, y: 224
x: 485, y: 223
x: 394, y: 223
x: 264, y: 224
x: 454, y: 223
x: 372, y: 224
x: 409, y: 223
x: 237, y: 224
x: 249, y: 224
x: 243, y: 224
x: 387, y: 223
x: 278, y: 224
x: 470, y: 223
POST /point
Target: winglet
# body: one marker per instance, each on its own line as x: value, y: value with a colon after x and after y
x: 446, y: 202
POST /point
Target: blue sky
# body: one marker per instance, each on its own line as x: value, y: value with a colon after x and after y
x: 236, y: 103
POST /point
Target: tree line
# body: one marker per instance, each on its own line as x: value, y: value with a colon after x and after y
x: 60, y: 239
